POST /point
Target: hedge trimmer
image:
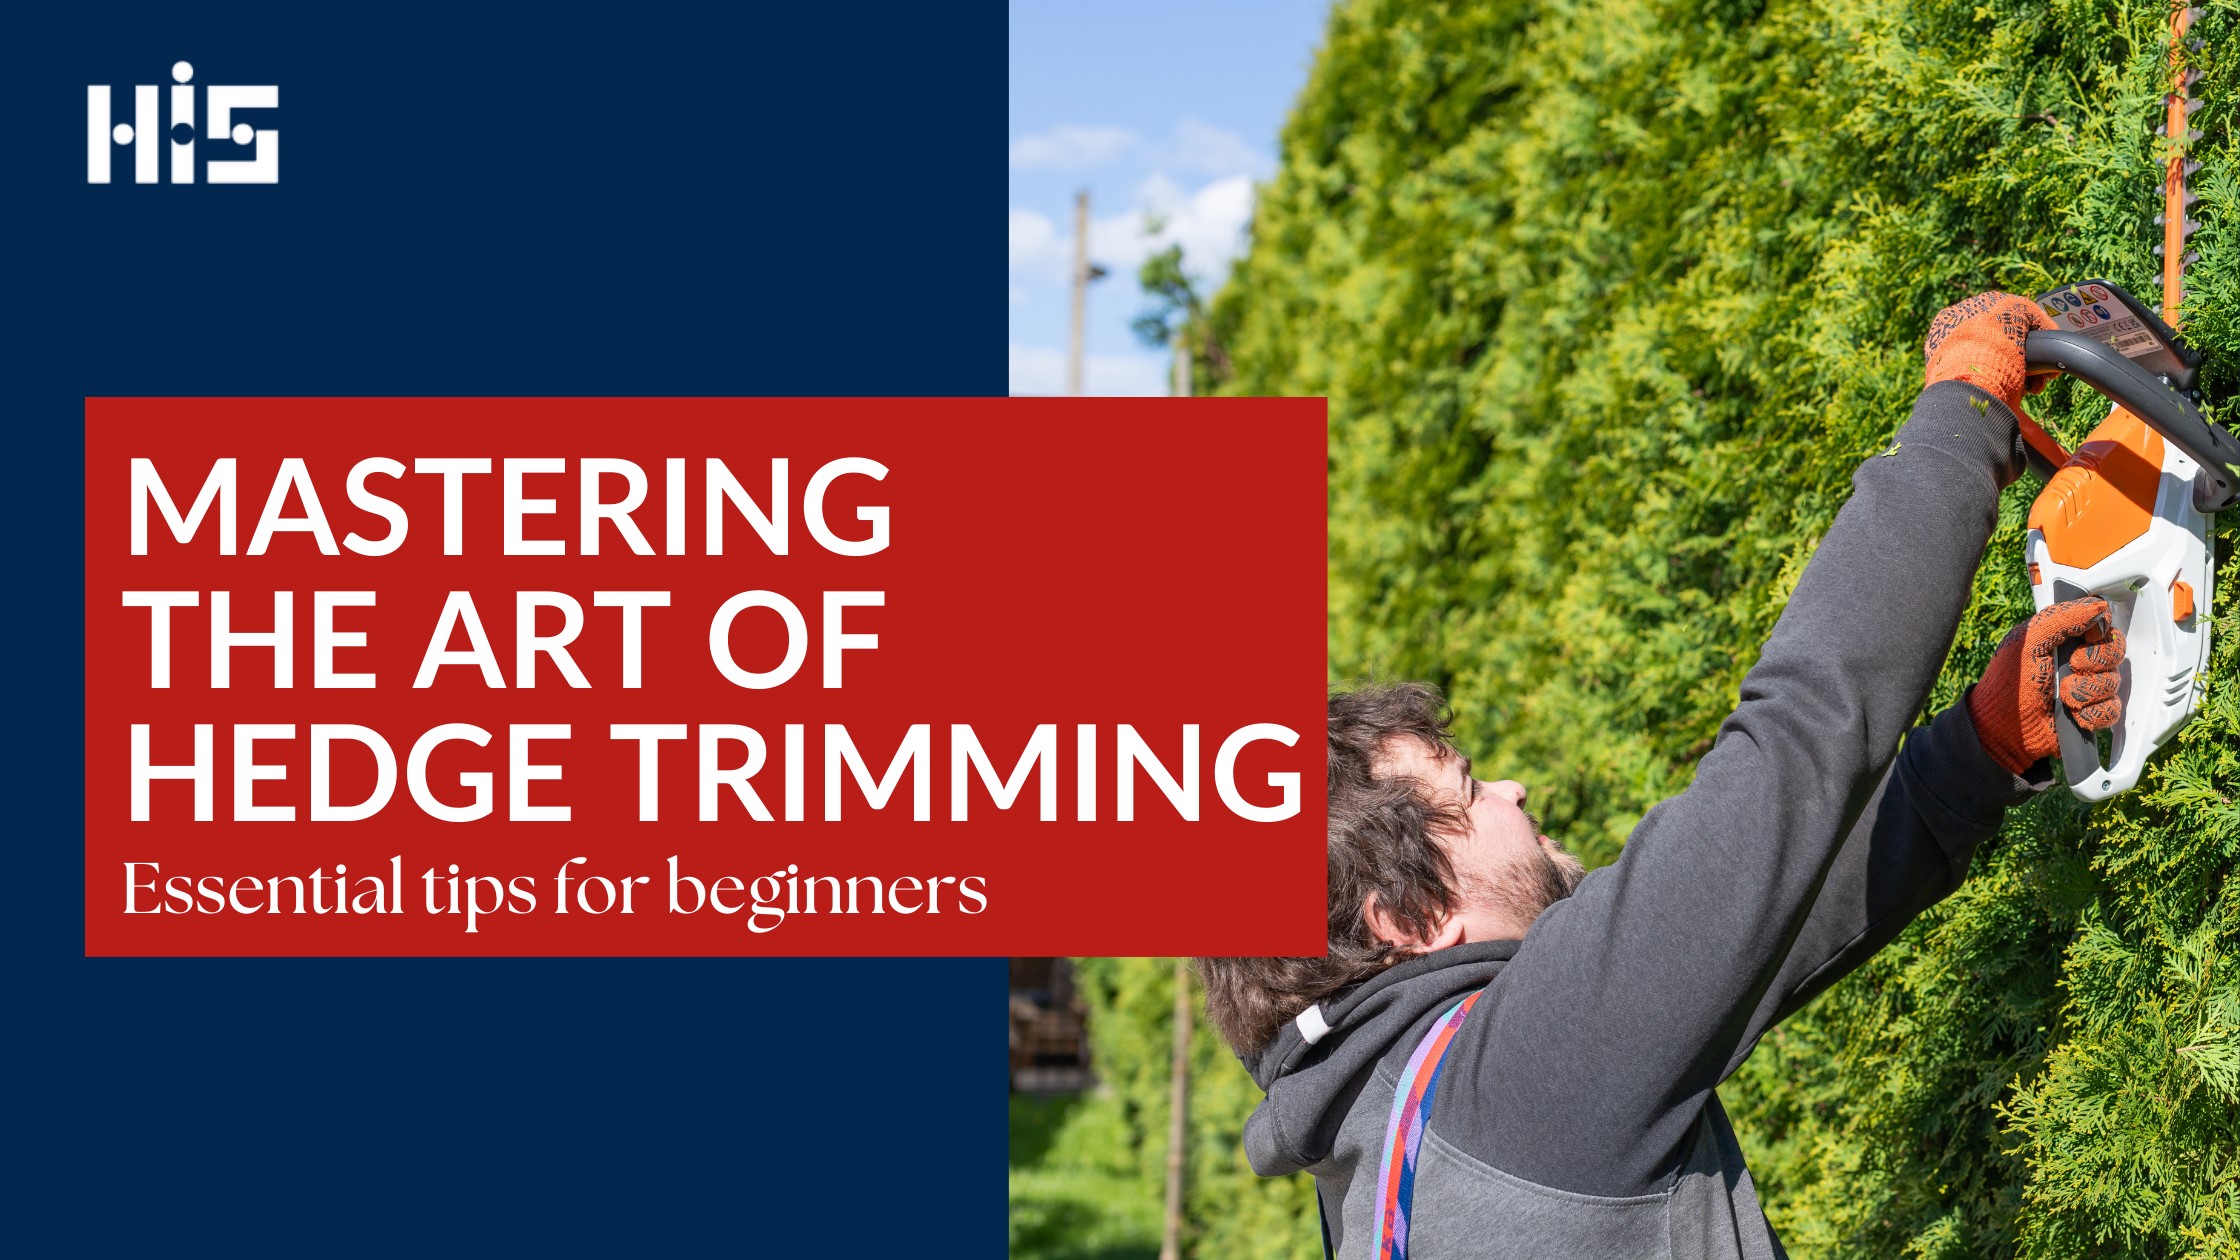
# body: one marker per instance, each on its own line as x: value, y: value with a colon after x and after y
x: 2126, y: 516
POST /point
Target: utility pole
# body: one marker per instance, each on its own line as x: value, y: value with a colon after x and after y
x: 1178, y: 1112
x: 1080, y: 292
x: 1181, y: 364
x: 1084, y: 271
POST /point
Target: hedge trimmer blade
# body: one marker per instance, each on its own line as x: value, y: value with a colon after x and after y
x: 2126, y: 518
x: 2177, y: 198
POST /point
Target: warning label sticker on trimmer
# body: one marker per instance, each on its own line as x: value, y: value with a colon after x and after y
x: 2095, y: 311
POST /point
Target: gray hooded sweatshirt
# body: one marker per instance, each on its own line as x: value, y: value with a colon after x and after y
x: 1575, y: 1116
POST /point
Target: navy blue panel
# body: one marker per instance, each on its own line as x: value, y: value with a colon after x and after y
x: 768, y: 199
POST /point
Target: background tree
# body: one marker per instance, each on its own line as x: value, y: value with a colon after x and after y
x: 1176, y: 318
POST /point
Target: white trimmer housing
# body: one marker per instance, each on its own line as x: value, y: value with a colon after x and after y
x: 2119, y: 521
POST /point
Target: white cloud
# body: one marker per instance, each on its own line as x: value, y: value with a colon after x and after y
x: 1070, y: 148
x: 1040, y: 370
x: 1210, y: 150
x: 1036, y: 248
x: 1209, y: 224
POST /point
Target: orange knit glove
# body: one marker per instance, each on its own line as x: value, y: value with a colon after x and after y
x: 2013, y: 704
x: 1980, y: 341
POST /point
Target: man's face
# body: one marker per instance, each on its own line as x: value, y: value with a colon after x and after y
x: 1506, y: 870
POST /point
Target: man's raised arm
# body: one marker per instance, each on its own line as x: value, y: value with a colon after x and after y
x: 1629, y: 1001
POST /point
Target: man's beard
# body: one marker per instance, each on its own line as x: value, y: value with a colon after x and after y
x: 1535, y: 883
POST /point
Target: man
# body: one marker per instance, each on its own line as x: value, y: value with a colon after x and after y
x: 1574, y: 1113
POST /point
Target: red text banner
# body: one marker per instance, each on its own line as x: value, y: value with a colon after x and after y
x: 484, y: 676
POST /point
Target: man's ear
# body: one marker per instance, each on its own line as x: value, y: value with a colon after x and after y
x: 1445, y: 931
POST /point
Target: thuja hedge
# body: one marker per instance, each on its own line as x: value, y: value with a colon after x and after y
x: 1608, y: 298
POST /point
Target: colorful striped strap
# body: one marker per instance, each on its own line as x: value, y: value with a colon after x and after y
x: 1403, y: 1137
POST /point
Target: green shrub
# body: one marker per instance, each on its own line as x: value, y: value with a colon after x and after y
x: 1608, y: 299
x: 1074, y: 1192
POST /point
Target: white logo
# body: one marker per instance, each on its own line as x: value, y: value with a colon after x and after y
x: 140, y: 135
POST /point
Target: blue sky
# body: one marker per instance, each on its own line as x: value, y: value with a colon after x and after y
x: 1151, y: 105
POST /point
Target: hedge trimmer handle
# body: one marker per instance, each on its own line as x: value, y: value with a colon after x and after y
x: 2144, y: 395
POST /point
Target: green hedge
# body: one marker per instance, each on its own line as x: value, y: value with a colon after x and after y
x: 1608, y: 299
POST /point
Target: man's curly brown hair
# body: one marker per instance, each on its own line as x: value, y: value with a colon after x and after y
x: 1383, y: 839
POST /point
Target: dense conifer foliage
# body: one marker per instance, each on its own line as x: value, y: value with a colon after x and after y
x: 1609, y: 297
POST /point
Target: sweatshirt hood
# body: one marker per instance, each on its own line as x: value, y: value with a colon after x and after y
x: 1318, y: 1064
